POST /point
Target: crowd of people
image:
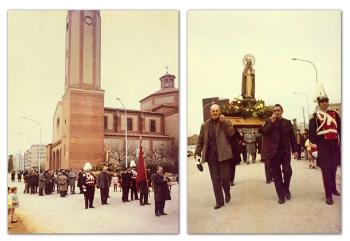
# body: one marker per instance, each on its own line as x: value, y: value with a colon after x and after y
x: 223, y: 147
x: 62, y: 181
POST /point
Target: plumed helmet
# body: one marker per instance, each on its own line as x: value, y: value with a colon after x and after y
x: 87, y: 166
x: 320, y: 93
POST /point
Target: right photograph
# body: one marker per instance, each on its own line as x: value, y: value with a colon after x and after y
x: 264, y: 121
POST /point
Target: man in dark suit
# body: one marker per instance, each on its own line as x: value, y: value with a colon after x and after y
x: 278, y: 141
x: 300, y: 143
x: 126, y: 182
x: 325, y: 132
x: 214, y: 147
x: 102, y: 182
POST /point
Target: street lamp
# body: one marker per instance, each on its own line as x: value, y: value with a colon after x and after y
x: 19, y: 155
x: 38, y: 123
x: 303, y: 114
x: 308, y: 61
x: 307, y: 101
x: 29, y: 142
x: 126, y: 133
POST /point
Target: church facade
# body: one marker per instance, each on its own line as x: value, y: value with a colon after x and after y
x: 85, y: 130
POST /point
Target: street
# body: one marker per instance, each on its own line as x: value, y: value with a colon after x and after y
x: 254, y: 207
x: 53, y: 214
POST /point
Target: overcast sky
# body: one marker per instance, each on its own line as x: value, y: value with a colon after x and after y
x: 218, y: 40
x: 135, y: 50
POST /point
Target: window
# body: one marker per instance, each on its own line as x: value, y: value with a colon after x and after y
x: 129, y: 124
x: 58, y: 124
x: 106, y: 122
x: 152, y: 126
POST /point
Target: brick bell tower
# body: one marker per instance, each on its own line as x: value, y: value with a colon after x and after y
x: 83, y: 100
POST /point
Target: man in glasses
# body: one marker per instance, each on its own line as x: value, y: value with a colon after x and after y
x: 214, y: 147
x: 325, y: 132
x: 278, y: 141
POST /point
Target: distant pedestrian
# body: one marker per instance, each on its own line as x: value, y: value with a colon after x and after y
x: 250, y: 143
x: 115, y: 182
x: 102, y: 182
x: 71, y: 179
x: 13, y: 176
x: 300, y: 143
x: 62, y: 184
x: 126, y: 182
x: 81, y: 175
x: 42, y: 183
x: 19, y: 176
x: 133, y: 188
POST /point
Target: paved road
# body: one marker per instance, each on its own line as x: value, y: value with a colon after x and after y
x: 53, y: 214
x: 254, y: 208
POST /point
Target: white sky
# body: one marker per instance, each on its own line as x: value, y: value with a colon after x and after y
x: 135, y: 50
x: 218, y: 40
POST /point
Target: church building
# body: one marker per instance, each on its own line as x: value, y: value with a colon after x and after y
x: 85, y: 130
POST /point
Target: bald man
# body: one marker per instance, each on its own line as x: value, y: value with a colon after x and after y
x: 214, y: 147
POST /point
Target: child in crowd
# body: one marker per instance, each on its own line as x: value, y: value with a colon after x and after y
x: 14, y: 204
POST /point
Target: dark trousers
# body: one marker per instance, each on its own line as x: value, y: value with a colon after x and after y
x: 134, y: 194
x: 244, y: 156
x: 299, y: 151
x: 103, y: 192
x: 72, y: 188
x: 41, y: 192
x: 329, y: 180
x: 268, y: 171
x: 143, y: 198
x: 125, y: 194
x: 159, y: 207
x: 89, y: 196
x: 26, y: 188
x: 281, y: 183
x: 32, y: 189
x: 63, y: 193
x: 220, y: 178
x: 233, y: 172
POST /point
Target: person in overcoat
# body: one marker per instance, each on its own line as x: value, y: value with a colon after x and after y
x: 62, y: 184
x: 214, y: 147
x: 161, y: 191
x: 42, y: 183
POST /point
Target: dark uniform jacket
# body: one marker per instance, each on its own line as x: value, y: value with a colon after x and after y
x: 324, y: 156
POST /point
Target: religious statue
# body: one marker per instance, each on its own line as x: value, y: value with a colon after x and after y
x: 248, y: 77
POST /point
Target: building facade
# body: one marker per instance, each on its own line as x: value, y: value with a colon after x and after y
x: 83, y: 129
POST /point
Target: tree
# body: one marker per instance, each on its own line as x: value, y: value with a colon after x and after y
x: 10, y: 164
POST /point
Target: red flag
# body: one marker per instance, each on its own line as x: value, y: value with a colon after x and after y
x: 141, y: 171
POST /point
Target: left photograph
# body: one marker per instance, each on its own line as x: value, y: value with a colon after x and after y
x: 93, y: 121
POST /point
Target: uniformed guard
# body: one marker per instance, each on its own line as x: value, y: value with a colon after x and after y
x: 89, y: 182
x: 325, y: 132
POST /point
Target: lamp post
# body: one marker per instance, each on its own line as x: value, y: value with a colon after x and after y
x: 29, y: 141
x: 19, y: 155
x: 303, y: 114
x: 126, y: 133
x: 38, y: 123
x: 307, y: 102
x: 308, y: 61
